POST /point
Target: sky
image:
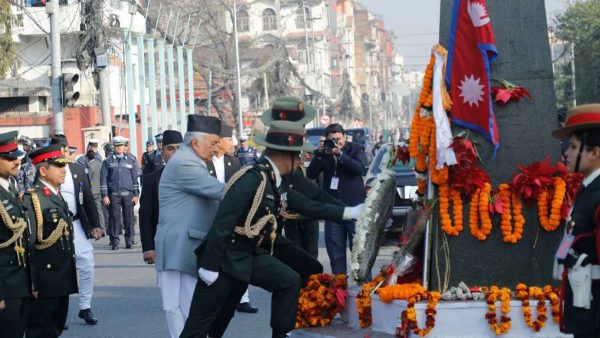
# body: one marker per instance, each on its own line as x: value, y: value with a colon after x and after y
x: 416, y: 32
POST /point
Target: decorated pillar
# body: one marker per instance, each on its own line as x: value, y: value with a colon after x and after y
x: 524, y: 129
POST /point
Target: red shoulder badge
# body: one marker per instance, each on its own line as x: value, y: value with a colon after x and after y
x: 46, y: 191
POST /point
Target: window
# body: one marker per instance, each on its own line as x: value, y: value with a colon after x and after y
x: 269, y: 20
x: 14, y: 104
x: 243, y: 21
x: 300, y: 13
x: 115, y: 4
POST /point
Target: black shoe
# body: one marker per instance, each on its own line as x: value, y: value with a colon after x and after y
x: 88, y: 316
x: 114, y: 247
x: 246, y: 307
x: 128, y: 246
x: 66, y: 327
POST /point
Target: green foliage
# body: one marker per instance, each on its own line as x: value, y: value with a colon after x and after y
x: 580, y: 25
x: 7, y: 47
x: 563, y: 86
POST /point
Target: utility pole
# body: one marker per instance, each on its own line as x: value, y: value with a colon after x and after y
x: 266, y: 88
x: 52, y: 9
x: 573, y: 75
x: 237, y: 70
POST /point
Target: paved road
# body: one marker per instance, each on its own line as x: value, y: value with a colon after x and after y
x: 127, y: 302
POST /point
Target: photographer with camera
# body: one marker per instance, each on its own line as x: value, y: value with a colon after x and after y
x: 342, y: 164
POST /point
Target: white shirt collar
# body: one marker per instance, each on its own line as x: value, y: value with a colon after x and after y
x: 276, y: 171
x: 4, y: 183
x: 53, y: 189
x: 591, y: 177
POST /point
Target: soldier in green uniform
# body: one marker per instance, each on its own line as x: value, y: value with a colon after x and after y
x: 302, y: 230
x: 54, y: 249
x: 16, y: 282
x: 232, y: 255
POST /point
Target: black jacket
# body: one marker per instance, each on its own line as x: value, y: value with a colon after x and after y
x: 87, y: 212
x: 232, y: 165
x: 586, y: 218
x: 149, y: 209
x: 15, y: 273
x: 348, y: 167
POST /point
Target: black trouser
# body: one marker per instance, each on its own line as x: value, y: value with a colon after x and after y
x: 304, y: 233
x: 296, y: 258
x: 593, y: 334
x: 223, y: 296
x: 47, y: 317
x: 121, y: 209
x: 13, y: 319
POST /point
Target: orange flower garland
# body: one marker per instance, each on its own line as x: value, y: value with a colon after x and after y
x: 409, y: 316
x: 363, y: 302
x: 552, y: 222
x: 389, y: 293
x: 444, y: 194
x: 426, y: 97
x: 479, y: 210
x: 507, y: 197
x: 552, y: 294
x: 523, y: 294
x: 318, y: 302
x: 491, y: 297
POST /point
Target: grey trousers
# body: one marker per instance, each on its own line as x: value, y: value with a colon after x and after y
x: 101, y: 213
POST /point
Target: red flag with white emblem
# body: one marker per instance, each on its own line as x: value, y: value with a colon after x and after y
x: 472, y: 47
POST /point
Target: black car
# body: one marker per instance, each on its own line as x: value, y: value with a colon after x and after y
x: 406, y: 189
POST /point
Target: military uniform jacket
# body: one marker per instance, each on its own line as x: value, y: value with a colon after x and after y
x: 586, y: 222
x: 227, y: 251
x: 232, y: 165
x: 87, y: 212
x: 15, y: 270
x: 55, y: 265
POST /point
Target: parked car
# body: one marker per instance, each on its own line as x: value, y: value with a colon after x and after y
x: 406, y: 189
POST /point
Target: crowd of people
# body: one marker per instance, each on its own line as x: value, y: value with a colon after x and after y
x: 213, y: 219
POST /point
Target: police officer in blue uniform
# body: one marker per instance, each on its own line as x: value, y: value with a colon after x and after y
x: 246, y: 153
x: 120, y: 191
x: 152, y: 159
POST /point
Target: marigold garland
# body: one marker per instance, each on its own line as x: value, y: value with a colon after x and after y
x: 363, y: 302
x: 553, y: 295
x: 409, y: 316
x: 319, y: 300
x: 523, y: 294
x: 479, y: 211
x: 491, y: 297
x: 553, y: 221
x: 445, y: 193
x: 389, y: 293
x: 509, y: 198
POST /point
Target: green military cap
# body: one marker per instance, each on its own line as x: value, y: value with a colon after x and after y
x: 52, y: 154
x: 8, y: 145
x: 284, y: 135
x: 289, y: 108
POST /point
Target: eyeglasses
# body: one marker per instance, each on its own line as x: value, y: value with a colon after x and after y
x: 335, y: 139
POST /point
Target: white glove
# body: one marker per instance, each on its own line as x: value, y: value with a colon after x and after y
x: 208, y: 276
x: 351, y: 213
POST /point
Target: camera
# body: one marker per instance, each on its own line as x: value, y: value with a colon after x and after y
x: 329, y: 144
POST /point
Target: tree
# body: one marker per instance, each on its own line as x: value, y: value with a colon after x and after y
x: 580, y: 25
x: 7, y: 47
